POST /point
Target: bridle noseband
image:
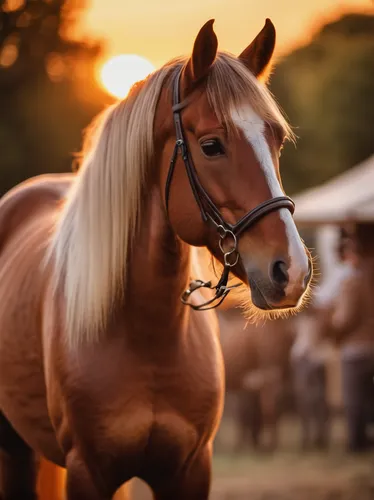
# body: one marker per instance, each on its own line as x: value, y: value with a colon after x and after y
x: 227, y: 233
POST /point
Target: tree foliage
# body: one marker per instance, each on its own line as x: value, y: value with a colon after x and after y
x: 327, y: 90
x: 48, y: 92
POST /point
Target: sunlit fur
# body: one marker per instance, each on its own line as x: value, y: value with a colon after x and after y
x: 205, y: 267
x: 91, y: 244
x: 255, y: 315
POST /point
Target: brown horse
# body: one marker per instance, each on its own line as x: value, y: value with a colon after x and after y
x: 258, y: 373
x: 103, y: 370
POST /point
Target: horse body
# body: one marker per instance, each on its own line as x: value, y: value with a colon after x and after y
x: 26, y: 215
x: 103, y: 369
x: 162, y: 398
x: 141, y: 387
x: 257, y: 372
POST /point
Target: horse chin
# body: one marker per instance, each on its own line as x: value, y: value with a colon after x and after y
x: 258, y: 298
x: 259, y: 301
x: 255, y: 302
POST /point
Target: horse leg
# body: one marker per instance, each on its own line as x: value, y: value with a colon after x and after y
x: 354, y: 402
x: 321, y: 409
x: 194, y: 484
x: 306, y: 423
x: 273, y: 431
x: 81, y: 484
x: 303, y: 400
x: 243, y: 420
x: 269, y: 416
x: 242, y: 437
x: 18, y: 468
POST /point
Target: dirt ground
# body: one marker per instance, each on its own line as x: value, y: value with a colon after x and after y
x: 288, y: 477
x: 288, y: 474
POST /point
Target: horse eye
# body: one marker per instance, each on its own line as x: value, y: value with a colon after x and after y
x: 212, y: 147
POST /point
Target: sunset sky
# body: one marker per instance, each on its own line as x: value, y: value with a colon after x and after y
x: 161, y: 29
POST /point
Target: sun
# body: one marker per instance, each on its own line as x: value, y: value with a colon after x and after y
x: 120, y: 73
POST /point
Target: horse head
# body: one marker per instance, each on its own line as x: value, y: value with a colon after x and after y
x: 218, y: 113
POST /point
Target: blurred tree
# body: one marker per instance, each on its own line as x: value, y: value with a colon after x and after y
x: 48, y: 92
x: 327, y: 90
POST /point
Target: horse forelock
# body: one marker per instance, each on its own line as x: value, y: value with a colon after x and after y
x: 90, y: 247
x: 231, y: 86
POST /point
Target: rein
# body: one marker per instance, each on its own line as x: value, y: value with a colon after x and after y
x: 228, y: 234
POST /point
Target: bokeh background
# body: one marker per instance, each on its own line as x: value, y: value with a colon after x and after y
x: 51, y: 56
x: 51, y: 52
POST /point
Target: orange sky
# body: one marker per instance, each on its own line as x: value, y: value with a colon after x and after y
x: 162, y: 29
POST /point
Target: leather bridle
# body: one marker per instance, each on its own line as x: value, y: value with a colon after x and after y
x: 227, y: 233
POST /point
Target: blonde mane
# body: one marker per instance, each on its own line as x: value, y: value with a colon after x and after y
x: 91, y: 245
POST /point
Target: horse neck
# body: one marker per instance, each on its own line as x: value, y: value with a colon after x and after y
x: 158, y: 271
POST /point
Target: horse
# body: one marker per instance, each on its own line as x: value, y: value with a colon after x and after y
x: 109, y: 366
x: 311, y: 356
x: 258, y: 373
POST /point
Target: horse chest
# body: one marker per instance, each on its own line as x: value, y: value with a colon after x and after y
x: 171, y: 441
x: 156, y: 413
x: 191, y: 382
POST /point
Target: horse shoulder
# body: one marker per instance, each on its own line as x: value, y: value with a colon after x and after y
x: 28, y: 198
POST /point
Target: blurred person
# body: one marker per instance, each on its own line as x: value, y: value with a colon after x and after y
x: 324, y: 295
x: 352, y: 327
x: 312, y: 348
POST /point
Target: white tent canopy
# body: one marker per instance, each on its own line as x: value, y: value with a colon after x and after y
x: 348, y: 197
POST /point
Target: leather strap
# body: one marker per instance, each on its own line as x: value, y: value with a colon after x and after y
x: 210, y: 213
x: 208, y: 209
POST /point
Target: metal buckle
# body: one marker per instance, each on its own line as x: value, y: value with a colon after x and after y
x: 226, y: 257
x: 223, y: 234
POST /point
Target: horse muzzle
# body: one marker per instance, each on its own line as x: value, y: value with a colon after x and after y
x: 280, y: 286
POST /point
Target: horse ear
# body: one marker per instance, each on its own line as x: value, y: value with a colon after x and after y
x: 203, y: 56
x: 258, y: 54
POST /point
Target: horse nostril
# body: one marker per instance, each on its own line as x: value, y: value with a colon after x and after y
x: 279, y: 273
x: 309, y: 275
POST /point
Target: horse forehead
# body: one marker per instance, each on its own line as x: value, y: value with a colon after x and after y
x: 201, y: 114
x: 257, y: 134
x: 249, y: 122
